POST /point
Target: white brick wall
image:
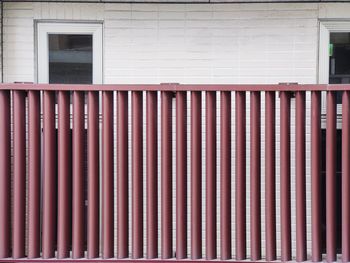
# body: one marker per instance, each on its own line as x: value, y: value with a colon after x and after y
x: 221, y: 43
x: 191, y: 43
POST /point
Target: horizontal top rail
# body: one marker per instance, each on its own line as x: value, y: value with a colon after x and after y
x: 176, y: 87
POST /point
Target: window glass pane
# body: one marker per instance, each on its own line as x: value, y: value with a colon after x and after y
x: 339, y: 60
x: 70, y: 59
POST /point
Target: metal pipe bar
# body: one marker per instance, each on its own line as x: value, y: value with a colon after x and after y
x: 19, y: 175
x: 167, y: 204
x: 181, y: 176
x: 346, y: 177
x: 196, y: 174
x: 286, y: 248
x: 93, y: 176
x: 5, y: 174
x: 49, y: 177
x: 315, y: 175
x: 255, y: 174
x: 107, y: 176
x: 211, y: 175
x: 137, y: 175
x: 64, y: 233
x: 122, y: 174
x: 330, y: 176
x: 270, y: 174
x: 151, y: 162
x: 240, y: 191
x: 34, y: 144
x: 78, y: 216
x: 225, y: 181
x: 300, y: 177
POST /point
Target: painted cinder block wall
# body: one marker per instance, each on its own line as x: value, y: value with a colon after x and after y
x: 191, y: 43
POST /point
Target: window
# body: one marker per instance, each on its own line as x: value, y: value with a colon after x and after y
x: 69, y: 53
x: 70, y: 59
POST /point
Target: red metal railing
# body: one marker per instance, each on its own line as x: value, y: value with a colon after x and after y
x: 57, y: 194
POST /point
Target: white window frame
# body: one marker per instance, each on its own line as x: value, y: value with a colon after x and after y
x: 76, y: 28
x: 326, y: 27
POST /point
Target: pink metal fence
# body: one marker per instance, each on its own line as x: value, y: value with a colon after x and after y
x: 54, y: 225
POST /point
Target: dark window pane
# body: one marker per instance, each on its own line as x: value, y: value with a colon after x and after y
x: 339, y: 60
x: 70, y: 59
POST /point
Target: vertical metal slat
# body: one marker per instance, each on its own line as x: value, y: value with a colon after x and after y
x: 211, y: 175
x: 225, y: 181
x: 5, y: 174
x: 315, y: 175
x: 93, y: 175
x: 49, y: 177
x: 181, y: 176
x: 241, y: 238
x: 107, y: 176
x: 330, y: 176
x: 64, y: 176
x: 34, y: 135
x: 346, y: 177
x: 137, y: 178
x: 19, y: 175
x: 300, y: 178
x: 255, y: 174
x: 270, y: 174
x: 78, y: 176
x: 122, y: 174
x: 151, y: 156
x: 167, y: 246
x: 285, y: 177
x: 196, y: 172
